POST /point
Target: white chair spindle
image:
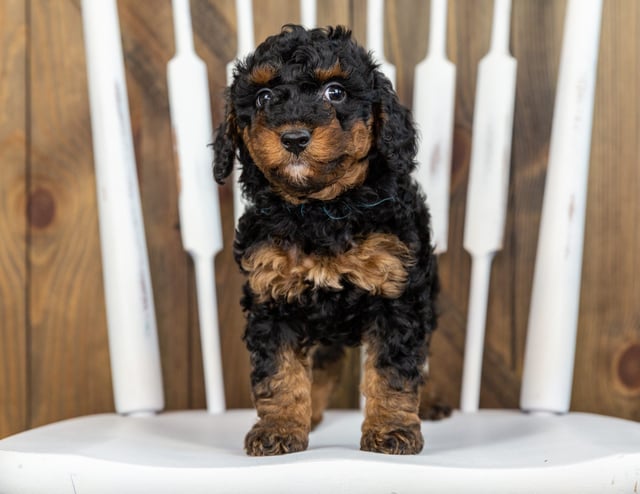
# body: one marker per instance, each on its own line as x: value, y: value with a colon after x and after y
x: 433, y: 109
x: 488, y: 186
x: 133, y: 338
x: 308, y: 13
x: 553, y: 318
x: 199, y: 208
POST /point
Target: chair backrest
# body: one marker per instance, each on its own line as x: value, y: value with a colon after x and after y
x: 554, y: 307
x: 133, y: 339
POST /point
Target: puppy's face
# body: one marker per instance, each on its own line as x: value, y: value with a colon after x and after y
x: 302, y: 106
x: 310, y: 112
x: 305, y: 128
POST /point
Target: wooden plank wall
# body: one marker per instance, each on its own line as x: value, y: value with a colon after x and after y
x: 53, y: 341
x: 13, y: 230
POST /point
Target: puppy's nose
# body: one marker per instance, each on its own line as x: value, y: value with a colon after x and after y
x: 295, y: 140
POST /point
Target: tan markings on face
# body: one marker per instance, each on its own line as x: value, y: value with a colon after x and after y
x: 333, y: 72
x: 283, y: 404
x: 333, y: 162
x: 391, y: 423
x: 378, y: 264
x: 262, y: 74
x: 265, y: 147
x: 278, y: 165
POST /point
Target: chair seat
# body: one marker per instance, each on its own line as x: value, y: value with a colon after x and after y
x: 194, y: 452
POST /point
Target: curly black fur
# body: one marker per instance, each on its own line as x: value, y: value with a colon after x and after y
x: 388, y: 201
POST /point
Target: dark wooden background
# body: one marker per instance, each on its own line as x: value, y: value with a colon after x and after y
x: 53, y: 341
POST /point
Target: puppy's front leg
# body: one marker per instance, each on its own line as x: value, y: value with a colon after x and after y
x: 391, y: 424
x: 282, y: 399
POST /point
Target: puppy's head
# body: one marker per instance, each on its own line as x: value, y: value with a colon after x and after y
x: 310, y: 112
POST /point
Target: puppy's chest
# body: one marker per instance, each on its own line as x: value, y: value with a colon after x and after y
x: 377, y: 263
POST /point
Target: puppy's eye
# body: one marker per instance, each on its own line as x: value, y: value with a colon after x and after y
x: 334, y: 93
x: 263, y: 97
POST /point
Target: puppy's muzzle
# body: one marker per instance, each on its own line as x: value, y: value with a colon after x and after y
x: 295, y: 141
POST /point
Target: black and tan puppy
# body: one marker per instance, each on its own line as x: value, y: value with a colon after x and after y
x: 335, y: 241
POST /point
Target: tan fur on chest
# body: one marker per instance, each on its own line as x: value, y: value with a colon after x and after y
x: 378, y: 264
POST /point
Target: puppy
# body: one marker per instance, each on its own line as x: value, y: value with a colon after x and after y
x: 335, y: 241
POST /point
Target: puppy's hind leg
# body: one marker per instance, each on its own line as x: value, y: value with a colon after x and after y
x: 432, y: 405
x: 327, y: 366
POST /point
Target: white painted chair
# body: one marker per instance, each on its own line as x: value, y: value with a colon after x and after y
x: 491, y: 451
x: 196, y: 452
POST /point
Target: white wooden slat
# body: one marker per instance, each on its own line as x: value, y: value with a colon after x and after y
x: 133, y: 338
x: 199, y: 208
x: 433, y: 110
x: 553, y: 318
x: 486, y: 206
x: 308, y: 13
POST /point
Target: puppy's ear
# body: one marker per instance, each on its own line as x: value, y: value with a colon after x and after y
x: 396, y: 138
x: 225, y: 145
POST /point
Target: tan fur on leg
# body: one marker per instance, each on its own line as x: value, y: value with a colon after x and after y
x: 283, y: 403
x: 391, y: 423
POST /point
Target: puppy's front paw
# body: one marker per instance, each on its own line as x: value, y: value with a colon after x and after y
x: 399, y: 441
x: 269, y: 438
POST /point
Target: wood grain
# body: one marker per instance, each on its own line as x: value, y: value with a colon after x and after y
x: 607, y: 371
x: 13, y: 230
x: 407, y: 29
x: 69, y: 364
